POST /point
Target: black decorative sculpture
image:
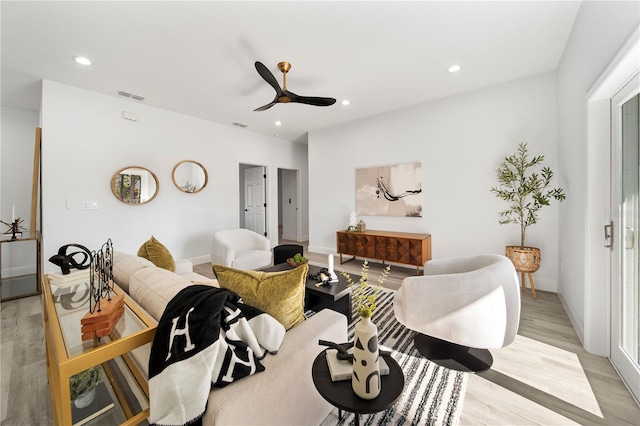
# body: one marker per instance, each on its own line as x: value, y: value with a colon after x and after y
x: 101, y: 277
x: 66, y: 261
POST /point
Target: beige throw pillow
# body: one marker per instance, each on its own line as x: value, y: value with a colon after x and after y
x: 280, y: 294
x: 154, y: 251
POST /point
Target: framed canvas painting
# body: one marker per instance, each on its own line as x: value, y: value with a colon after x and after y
x: 394, y: 190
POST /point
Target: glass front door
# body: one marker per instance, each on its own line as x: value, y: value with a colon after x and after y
x: 625, y: 312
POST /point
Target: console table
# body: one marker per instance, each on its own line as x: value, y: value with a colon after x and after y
x: 399, y: 247
x: 67, y: 354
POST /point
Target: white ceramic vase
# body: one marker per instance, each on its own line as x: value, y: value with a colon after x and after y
x: 85, y: 399
x: 366, y: 370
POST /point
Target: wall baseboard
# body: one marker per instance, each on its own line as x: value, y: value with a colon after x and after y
x: 18, y: 271
x: 200, y: 260
x: 321, y: 250
x: 578, y: 325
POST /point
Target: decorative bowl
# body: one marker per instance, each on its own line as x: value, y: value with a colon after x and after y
x: 295, y: 264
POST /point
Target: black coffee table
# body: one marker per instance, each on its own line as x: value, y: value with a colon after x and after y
x: 335, y: 296
x: 341, y: 395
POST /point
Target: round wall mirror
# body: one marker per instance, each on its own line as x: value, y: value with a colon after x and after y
x: 134, y: 185
x: 190, y: 176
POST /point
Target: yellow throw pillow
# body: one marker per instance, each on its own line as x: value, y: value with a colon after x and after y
x: 158, y: 254
x: 280, y: 294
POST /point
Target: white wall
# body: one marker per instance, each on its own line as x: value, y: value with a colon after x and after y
x: 85, y: 141
x: 460, y: 141
x: 16, y: 175
x: 600, y: 30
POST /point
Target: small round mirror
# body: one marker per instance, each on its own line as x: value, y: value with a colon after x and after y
x: 190, y: 176
x: 134, y: 185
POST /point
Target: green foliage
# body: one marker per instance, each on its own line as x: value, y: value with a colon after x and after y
x: 365, y: 303
x: 84, y: 381
x: 525, y: 190
x: 298, y: 258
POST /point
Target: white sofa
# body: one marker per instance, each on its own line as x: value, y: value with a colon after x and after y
x: 282, y: 394
x: 241, y: 249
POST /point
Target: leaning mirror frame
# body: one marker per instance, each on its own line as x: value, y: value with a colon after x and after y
x: 135, y: 185
x: 186, y: 180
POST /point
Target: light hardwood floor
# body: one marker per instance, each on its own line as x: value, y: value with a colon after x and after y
x: 544, y: 377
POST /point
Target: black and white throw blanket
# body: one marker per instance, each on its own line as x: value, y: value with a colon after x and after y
x: 206, y: 337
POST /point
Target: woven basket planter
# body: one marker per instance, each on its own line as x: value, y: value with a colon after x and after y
x: 525, y: 259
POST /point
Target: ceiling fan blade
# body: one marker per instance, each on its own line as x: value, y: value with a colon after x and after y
x: 266, y: 107
x: 310, y: 100
x: 268, y: 77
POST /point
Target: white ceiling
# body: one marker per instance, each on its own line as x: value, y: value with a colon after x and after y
x: 197, y: 58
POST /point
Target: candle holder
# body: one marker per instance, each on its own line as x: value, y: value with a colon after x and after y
x: 332, y: 273
x: 15, y: 228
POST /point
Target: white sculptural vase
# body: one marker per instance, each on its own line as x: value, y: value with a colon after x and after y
x: 366, y: 370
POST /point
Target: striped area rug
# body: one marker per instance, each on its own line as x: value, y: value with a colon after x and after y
x: 432, y: 394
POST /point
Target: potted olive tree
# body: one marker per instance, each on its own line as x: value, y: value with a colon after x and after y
x: 526, y: 192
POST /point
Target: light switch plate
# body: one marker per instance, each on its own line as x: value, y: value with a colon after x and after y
x: 89, y: 205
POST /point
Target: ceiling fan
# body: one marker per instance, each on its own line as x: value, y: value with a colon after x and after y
x: 282, y: 94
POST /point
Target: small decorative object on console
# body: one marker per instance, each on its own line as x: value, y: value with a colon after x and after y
x: 15, y: 230
x: 353, y: 222
x: 66, y: 261
x: 82, y: 385
x: 104, y: 308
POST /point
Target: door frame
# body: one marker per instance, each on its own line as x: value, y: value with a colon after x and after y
x: 595, y: 329
x: 241, y: 168
x: 282, y: 201
x: 627, y: 368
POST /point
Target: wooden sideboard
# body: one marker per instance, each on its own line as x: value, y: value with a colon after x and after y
x: 399, y: 247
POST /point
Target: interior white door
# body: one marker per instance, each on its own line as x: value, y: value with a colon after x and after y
x: 290, y: 210
x: 255, y: 208
x: 625, y: 205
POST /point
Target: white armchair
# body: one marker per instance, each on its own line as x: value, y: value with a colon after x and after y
x: 460, y: 308
x: 241, y: 249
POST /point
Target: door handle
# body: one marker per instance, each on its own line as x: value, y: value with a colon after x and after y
x: 608, y: 235
x: 629, y: 238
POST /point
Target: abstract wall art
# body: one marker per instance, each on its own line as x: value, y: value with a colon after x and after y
x: 394, y: 190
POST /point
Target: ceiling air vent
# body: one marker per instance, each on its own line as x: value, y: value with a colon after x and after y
x: 239, y: 125
x: 131, y: 95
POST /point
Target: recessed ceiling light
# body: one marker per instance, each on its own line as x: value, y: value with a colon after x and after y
x: 278, y: 123
x: 81, y: 60
x: 345, y: 102
x: 454, y: 68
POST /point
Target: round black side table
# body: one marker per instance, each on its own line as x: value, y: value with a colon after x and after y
x: 341, y: 395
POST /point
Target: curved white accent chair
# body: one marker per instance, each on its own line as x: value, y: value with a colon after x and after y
x: 241, y: 249
x: 460, y: 308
